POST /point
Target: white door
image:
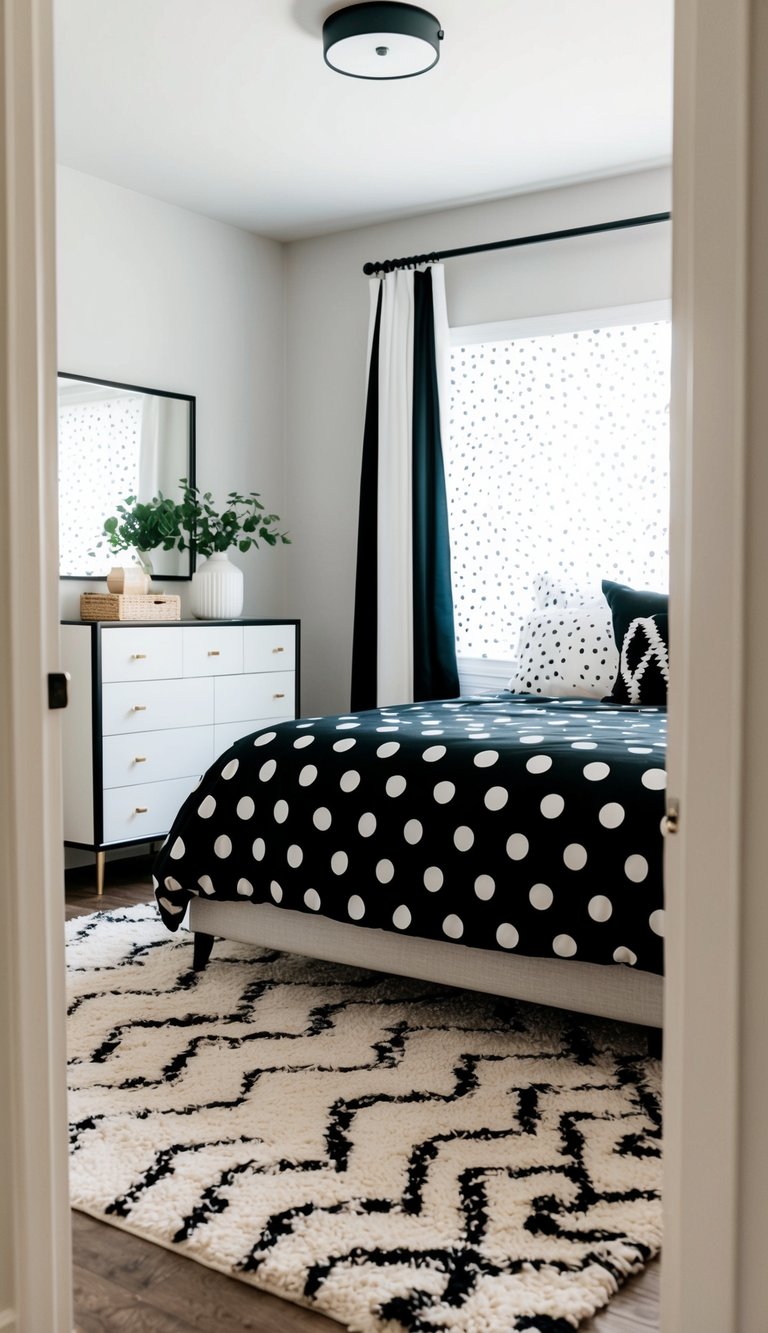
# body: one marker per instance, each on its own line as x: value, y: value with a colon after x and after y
x: 35, y: 1260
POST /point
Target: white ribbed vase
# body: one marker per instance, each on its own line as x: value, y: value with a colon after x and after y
x: 217, y: 589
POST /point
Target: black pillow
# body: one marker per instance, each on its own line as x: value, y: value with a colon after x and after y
x: 643, y: 647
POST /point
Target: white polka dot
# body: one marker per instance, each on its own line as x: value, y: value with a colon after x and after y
x: 463, y: 838
x: 517, y: 846
x: 564, y: 946
x: 541, y: 897
x: 259, y: 848
x: 245, y: 888
x: 433, y: 878
x: 636, y: 868
x: 575, y: 856
x: 413, y: 832
x: 600, y: 908
x: 222, y: 846
x: 178, y: 849
x: 486, y: 758
x: 389, y: 748
x: 434, y: 753
x: 596, y: 771
x: 346, y: 726
x: 506, y: 936
x: 206, y: 807
x: 322, y: 818
x: 349, y: 780
x: 611, y: 815
x: 401, y: 917
x: 385, y: 871
x: 280, y: 812
x: 655, y: 921
x: 356, y: 907
x: 366, y: 824
x: 396, y: 785
x: 312, y: 900
x: 302, y: 742
x: 655, y: 779
x: 624, y: 955
x: 245, y: 807
x: 346, y: 744
x: 539, y: 763
x: 276, y: 891
x: 267, y: 770
x: 444, y: 792
x: 294, y: 855
x: 229, y: 770
x: 307, y: 775
x: 265, y: 738
x: 552, y: 806
x: 496, y: 798
x: 339, y: 863
x: 206, y: 883
x: 485, y: 887
x: 171, y: 884
x: 387, y: 728
x: 639, y: 749
x: 531, y: 740
x: 453, y: 927
x: 583, y: 745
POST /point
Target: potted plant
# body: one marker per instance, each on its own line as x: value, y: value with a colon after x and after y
x: 217, y: 587
x: 143, y: 526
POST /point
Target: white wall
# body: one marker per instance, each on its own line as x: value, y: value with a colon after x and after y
x: 327, y: 321
x: 154, y: 295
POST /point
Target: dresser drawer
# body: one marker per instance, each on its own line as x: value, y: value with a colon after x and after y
x: 227, y: 733
x: 154, y: 756
x: 151, y: 705
x: 212, y: 651
x: 269, y: 648
x: 268, y: 694
x: 141, y: 654
x: 144, y: 811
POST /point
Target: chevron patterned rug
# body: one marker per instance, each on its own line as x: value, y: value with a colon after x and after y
x: 392, y: 1154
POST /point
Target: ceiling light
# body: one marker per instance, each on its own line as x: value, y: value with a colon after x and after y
x: 381, y: 41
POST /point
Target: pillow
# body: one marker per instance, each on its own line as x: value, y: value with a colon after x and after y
x: 629, y: 605
x: 566, y: 652
x: 564, y: 590
x: 643, y: 663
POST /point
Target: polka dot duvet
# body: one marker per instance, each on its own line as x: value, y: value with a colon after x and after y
x: 518, y: 824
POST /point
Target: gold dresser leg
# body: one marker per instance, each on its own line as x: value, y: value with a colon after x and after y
x: 100, y: 859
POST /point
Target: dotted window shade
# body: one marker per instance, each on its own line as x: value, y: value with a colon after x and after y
x: 99, y: 446
x: 557, y: 468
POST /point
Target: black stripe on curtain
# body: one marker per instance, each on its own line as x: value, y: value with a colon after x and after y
x: 435, y: 674
x: 366, y: 600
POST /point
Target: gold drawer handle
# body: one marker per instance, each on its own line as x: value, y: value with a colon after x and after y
x: 139, y: 759
x: 214, y: 652
x: 141, y: 809
x: 139, y: 657
x: 139, y: 708
x: 278, y: 696
x: 278, y: 650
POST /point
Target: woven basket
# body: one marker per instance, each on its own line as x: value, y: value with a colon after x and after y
x: 122, y: 606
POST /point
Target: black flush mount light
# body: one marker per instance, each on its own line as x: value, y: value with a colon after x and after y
x: 381, y: 41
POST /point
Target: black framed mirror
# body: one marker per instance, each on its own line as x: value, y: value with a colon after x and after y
x: 117, y: 440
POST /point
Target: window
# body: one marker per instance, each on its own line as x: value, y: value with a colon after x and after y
x: 557, y: 464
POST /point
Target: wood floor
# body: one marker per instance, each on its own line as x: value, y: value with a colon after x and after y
x: 126, y: 1285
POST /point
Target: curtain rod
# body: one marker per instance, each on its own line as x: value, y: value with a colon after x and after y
x: 388, y: 265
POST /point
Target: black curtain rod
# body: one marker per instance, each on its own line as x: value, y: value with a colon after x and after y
x: 388, y: 265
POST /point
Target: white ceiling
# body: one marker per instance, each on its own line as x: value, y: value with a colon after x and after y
x: 226, y: 107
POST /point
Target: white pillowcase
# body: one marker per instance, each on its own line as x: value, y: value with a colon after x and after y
x: 565, y: 590
x: 567, y: 651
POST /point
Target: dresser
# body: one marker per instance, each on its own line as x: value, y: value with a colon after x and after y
x: 151, y: 706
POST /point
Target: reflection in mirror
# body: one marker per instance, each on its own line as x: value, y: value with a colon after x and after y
x: 117, y: 440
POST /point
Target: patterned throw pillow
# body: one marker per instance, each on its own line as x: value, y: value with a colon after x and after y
x: 564, y: 652
x: 564, y: 590
x: 644, y: 663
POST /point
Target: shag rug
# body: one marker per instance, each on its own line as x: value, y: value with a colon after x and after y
x: 387, y: 1152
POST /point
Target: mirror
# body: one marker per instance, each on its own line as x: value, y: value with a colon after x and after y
x: 117, y: 440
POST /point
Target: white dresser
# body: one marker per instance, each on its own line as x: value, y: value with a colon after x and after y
x: 151, y: 706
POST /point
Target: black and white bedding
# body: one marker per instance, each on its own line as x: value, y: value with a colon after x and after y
x: 517, y: 824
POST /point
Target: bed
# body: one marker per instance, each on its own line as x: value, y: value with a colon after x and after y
x: 511, y: 844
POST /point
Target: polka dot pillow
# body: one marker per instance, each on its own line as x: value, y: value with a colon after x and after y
x: 565, y: 590
x: 567, y: 651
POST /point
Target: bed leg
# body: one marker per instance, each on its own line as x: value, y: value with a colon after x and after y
x: 656, y: 1043
x: 202, y: 950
